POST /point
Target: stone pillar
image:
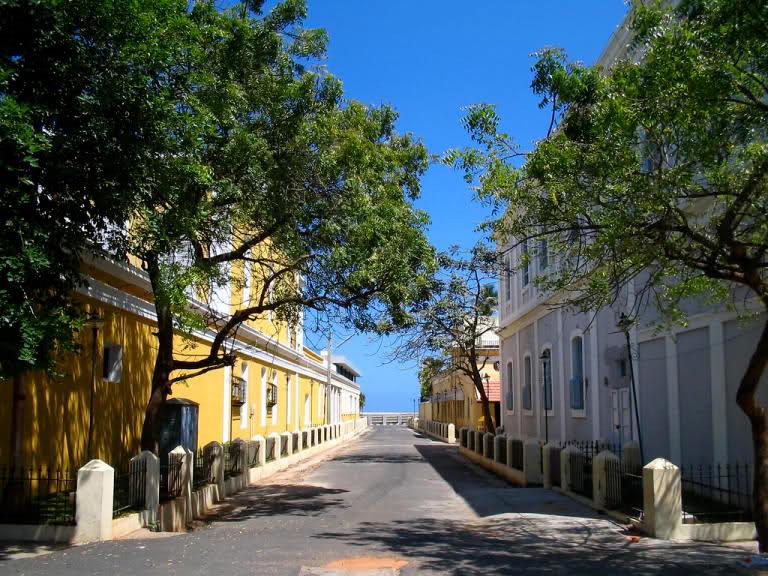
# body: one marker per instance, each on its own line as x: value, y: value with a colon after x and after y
x: 548, y: 473
x: 532, y: 461
x: 93, y: 510
x: 631, y: 457
x: 451, y: 434
x: 662, y: 499
x: 605, y: 473
x: 149, y: 515
x: 566, y: 474
x: 187, y: 470
x: 261, y: 447
x: 488, y: 445
x: 218, y: 465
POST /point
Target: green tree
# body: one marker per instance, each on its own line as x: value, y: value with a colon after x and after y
x: 653, y: 172
x: 362, y: 401
x: 267, y: 168
x: 70, y: 75
x: 446, y: 330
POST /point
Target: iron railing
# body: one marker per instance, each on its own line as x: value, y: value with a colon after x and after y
x: 717, y: 493
x: 581, y: 473
x: 270, y: 448
x: 253, y: 454
x: 517, y: 454
x: 231, y: 459
x: 37, y: 495
x: 130, y: 488
x: 624, y: 488
x: 170, y: 477
x: 554, y: 465
x: 203, y: 472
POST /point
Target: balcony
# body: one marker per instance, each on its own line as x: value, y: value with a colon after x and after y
x: 271, y: 395
x: 238, y: 391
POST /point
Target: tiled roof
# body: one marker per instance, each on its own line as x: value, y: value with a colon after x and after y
x: 492, y: 390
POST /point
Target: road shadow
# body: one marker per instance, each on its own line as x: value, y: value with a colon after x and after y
x: 513, y: 546
x: 279, y: 499
x: 378, y: 458
x: 18, y: 550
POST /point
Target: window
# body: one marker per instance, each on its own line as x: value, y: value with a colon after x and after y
x: 543, y: 254
x: 527, y: 381
x: 271, y: 395
x: 577, y: 373
x: 526, y: 264
x: 113, y: 363
x: 546, y: 374
x: 510, y: 388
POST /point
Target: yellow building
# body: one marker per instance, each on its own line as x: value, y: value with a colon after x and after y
x: 454, y: 396
x: 276, y: 385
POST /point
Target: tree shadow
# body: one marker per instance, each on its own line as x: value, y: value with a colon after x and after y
x: 514, y: 545
x: 279, y: 499
x: 378, y: 459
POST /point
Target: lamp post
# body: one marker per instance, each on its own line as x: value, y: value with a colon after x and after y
x: 487, y: 381
x: 95, y: 322
x: 545, y: 366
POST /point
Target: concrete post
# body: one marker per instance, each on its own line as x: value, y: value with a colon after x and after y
x: 93, y: 510
x: 218, y: 466
x: 631, y: 457
x: 662, y: 499
x: 451, y: 434
x: 566, y: 474
x: 532, y: 461
x: 149, y: 515
x: 548, y: 473
x: 488, y: 445
x: 261, y: 447
x: 187, y: 470
x: 605, y: 472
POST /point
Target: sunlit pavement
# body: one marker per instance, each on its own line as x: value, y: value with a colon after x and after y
x: 391, y: 502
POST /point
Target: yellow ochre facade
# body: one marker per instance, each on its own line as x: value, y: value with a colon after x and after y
x: 115, y: 375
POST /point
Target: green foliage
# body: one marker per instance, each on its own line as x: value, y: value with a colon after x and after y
x: 653, y: 171
x: 362, y: 401
x: 71, y: 74
x: 430, y: 367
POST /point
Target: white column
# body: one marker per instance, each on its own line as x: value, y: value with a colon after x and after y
x: 227, y: 409
x: 297, y: 399
x: 288, y: 400
x: 93, y: 511
x: 673, y: 397
x: 561, y: 373
x: 263, y: 411
x: 518, y: 383
x: 594, y: 388
x: 719, y: 399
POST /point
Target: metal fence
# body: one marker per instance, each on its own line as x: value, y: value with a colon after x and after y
x: 270, y: 448
x: 624, y: 488
x: 203, y: 472
x: 232, y: 459
x: 130, y: 487
x: 170, y: 477
x: 717, y: 493
x: 517, y: 454
x: 554, y: 465
x: 37, y: 495
x: 581, y: 473
x: 253, y: 454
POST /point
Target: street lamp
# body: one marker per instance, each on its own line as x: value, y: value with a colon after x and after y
x: 95, y: 322
x: 545, y: 359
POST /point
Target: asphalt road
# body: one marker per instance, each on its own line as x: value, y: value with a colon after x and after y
x: 390, y: 502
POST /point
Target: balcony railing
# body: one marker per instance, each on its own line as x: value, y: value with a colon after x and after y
x: 238, y: 391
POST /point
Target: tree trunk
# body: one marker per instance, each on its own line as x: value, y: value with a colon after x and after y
x: 17, y: 421
x: 150, y: 432
x: 490, y: 426
x: 747, y: 401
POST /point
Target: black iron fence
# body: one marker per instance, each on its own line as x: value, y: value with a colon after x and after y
x: 37, y: 495
x: 170, y: 477
x: 269, y: 443
x: 624, y: 488
x: 232, y: 456
x: 591, y: 448
x: 581, y: 473
x: 130, y: 488
x: 501, y: 453
x: 517, y: 454
x: 717, y: 493
x: 203, y: 472
x: 296, y: 438
x: 253, y: 454
x: 554, y: 465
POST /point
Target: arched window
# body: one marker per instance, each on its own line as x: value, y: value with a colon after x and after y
x: 577, y: 373
x: 510, y: 388
x: 527, y: 383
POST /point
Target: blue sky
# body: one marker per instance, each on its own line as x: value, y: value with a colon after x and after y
x: 429, y: 59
